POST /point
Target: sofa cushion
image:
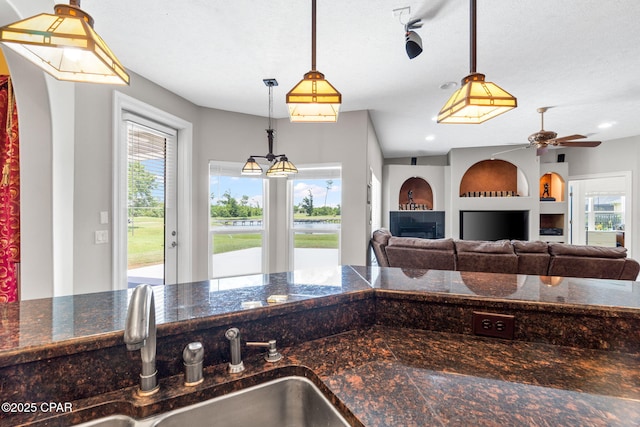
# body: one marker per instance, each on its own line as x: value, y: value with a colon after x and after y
x: 575, y: 266
x: 486, y: 256
x: 537, y: 246
x: 431, y: 244
x: 410, y: 252
x: 598, y: 262
x: 486, y: 247
x: 533, y: 257
x: 587, y: 251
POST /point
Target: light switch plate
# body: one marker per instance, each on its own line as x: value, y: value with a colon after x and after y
x: 102, y: 237
x: 104, y: 217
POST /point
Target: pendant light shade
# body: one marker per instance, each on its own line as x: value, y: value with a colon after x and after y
x: 65, y: 46
x: 251, y: 167
x: 314, y: 99
x: 282, y: 168
x: 476, y: 101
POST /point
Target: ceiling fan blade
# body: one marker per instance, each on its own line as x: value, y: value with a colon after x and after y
x: 578, y: 143
x: 568, y: 138
x: 429, y: 11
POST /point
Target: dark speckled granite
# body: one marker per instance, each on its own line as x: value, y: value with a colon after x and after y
x: 31, y: 328
x: 558, y: 291
x: 388, y: 346
x: 380, y: 377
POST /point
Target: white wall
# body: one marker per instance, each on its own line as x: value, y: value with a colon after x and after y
x: 527, y: 163
x: 67, y: 160
x: 94, y: 171
x: 610, y: 157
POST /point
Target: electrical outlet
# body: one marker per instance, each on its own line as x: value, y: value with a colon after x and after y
x: 494, y: 325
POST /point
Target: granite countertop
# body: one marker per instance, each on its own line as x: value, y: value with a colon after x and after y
x: 397, y: 364
x: 46, y: 323
x: 380, y: 377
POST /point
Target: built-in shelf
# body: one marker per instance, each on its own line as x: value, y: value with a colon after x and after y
x: 552, y: 187
x: 553, y: 202
x: 415, y: 195
x: 490, y: 178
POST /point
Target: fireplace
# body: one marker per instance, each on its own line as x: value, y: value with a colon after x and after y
x: 423, y: 224
x: 494, y: 225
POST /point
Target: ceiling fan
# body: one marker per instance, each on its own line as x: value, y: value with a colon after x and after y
x: 542, y: 139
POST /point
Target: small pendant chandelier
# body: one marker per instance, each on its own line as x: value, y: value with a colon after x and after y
x: 476, y: 101
x: 281, y: 167
x: 314, y: 99
x: 65, y: 46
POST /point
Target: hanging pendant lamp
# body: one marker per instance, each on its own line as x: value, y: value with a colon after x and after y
x: 281, y: 167
x: 314, y: 99
x: 65, y: 46
x: 476, y: 101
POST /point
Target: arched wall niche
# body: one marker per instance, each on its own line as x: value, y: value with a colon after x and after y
x: 415, y: 194
x: 493, y: 178
x: 552, y: 187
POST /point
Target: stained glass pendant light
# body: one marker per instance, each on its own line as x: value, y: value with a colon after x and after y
x: 477, y: 100
x: 281, y: 167
x: 65, y: 46
x: 314, y: 99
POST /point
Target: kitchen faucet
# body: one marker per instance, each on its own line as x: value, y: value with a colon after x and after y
x: 140, y: 334
x: 236, y: 365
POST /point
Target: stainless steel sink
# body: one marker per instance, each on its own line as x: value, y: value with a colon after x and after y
x: 112, y: 421
x: 285, y: 402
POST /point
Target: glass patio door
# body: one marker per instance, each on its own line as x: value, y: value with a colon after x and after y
x: 152, y: 234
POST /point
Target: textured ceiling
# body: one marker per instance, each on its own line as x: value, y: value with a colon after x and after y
x: 581, y: 57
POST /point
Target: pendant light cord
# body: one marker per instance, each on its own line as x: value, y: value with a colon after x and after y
x: 313, y: 35
x: 270, y: 104
x: 472, y: 36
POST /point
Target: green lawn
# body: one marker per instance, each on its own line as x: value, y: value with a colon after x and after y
x: 232, y: 242
x: 322, y: 241
x: 145, y: 244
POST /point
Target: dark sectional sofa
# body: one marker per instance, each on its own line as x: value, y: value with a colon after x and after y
x: 504, y: 256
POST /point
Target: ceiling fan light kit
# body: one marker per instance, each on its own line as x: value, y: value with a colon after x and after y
x: 314, y: 99
x: 477, y: 100
x: 65, y: 46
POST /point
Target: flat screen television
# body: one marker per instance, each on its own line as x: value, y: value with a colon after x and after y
x: 494, y: 225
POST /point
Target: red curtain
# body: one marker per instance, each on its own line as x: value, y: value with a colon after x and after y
x: 9, y: 193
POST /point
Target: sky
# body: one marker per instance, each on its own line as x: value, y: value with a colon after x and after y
x: 252, y: 187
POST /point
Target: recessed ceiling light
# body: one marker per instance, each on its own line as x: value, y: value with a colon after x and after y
x: 434, y: 118
x: 606, y: 125
x: 448, y: 85
x: 430, y: 137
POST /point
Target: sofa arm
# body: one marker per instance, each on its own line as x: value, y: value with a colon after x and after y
x: 630, y: 270
x: 379, y: 241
